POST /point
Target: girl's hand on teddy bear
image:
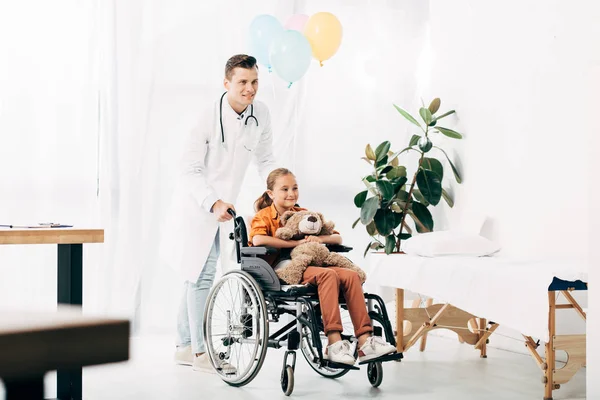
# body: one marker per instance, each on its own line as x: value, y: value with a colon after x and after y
x: 299, y: 242
x: 314, y: 239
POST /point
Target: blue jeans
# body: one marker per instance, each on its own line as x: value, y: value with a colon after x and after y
x: 191, y: 310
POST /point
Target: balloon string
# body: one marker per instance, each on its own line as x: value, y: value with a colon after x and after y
x: 290, y: 85
x: 321, y: 63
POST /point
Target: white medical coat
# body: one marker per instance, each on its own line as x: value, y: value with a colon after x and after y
x: 212, y: 170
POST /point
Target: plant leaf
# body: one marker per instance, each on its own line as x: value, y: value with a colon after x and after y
x: 360, y: 198
x: 390, y: 243
x: 368, y: 210
x: 448, y: 198
x: 454, y: 170
x: 434, y: 165
x: 404, y: 236
x: 395, y: 207
x: 449, y: 132
x: 396, y: 172
x: 355, y: 222
x: 426, y: 115
x: 446, y: 114
x: 381, y: 162
x: 384, y: 221
x: 419, y: 197
x: 367, y: 160
x: 430, y: 186
x: 399, y: 183
x: 393, y: 161
x: 407, y: 116
x: 382, y: 150
x: 386, y: 189
x: 424, y: 216
x: 402, y: 195
x: 435, y: 105
x: 370, y: 178
x: 386, y: 169
x: 367, y: 249
x: 372, y: 229
x: 370, y: 187
x: 370, y: 153
x: 414, y: 140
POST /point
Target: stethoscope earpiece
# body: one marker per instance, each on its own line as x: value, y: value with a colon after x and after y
x: 221, y: 117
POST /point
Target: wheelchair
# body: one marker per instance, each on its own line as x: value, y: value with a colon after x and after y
x: 243, y: 302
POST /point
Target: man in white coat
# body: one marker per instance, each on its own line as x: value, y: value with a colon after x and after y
x: 218, y: 152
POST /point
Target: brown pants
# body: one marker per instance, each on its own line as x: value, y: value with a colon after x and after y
x: 330, y: 281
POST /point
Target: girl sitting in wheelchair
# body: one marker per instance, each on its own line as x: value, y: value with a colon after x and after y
x: 281, y: 196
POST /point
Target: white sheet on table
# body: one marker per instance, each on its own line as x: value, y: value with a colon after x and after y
x: 510, y: 292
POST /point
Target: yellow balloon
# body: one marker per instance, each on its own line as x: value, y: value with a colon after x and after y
x: 324, y: 33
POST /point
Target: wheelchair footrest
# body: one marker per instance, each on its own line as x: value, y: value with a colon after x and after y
x: 387, y: 357
x: 331, y: 364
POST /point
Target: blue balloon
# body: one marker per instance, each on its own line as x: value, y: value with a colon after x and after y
x: 290, y: 55
x: 263, y: 29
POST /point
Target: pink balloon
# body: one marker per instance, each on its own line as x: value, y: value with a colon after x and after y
x: 296, y: 22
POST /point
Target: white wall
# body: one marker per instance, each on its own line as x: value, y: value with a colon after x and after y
x: 593, y: 346
x: 524, y: 77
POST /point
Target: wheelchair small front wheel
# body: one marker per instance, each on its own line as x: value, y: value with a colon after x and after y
x: 287, y: 380
x: 375, y: 373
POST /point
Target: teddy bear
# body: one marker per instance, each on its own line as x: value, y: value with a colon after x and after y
x: 296, y: 225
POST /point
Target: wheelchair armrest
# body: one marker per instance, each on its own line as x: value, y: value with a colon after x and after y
x: 258, y: 250
x: 338, y: 248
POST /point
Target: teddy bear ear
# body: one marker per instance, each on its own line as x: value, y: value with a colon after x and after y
x: 285, y: 216
x: 328, y: 226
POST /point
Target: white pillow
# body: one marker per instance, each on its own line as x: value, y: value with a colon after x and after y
x: 449, y: 243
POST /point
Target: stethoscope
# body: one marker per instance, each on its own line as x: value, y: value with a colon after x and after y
x: 245, y: 122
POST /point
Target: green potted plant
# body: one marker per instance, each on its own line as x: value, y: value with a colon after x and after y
x: 389, y: 197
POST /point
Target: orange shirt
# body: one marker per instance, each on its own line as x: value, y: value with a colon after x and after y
x: 266, y: 222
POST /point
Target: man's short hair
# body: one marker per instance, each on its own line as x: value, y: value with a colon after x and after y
x: 239, y: 61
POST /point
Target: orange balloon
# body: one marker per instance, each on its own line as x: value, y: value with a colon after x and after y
x: 324, y: 33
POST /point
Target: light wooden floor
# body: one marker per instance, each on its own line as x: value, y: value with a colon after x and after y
x: 447, y: 370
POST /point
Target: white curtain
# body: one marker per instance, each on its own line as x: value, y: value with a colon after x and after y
x: 48, y: 138
x: 144, y: 69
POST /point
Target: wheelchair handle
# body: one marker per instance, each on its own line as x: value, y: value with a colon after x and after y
x: 231, y: 212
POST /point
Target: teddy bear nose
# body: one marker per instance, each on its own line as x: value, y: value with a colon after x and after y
x: 312, y: 219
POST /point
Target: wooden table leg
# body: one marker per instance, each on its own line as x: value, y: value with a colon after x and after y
x: 550, y: 360
x: 399, y: 319
x: 428, y: 303
x: 70, y: 291
x: 25, y: 388
x: 482, y: 325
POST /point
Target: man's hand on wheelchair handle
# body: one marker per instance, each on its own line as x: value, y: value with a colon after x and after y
x: 220, y: 210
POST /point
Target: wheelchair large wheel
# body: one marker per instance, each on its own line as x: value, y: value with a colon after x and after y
x: 311, y: 355
x: 236, y: 328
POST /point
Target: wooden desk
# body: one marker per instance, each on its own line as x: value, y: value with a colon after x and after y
x: 33, y: 343
x: 70, y: 278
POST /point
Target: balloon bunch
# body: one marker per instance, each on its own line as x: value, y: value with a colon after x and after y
x: 288, y: 49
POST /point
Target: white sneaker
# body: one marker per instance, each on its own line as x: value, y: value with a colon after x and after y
x: 374, y: 347
x: 202, y: 364
x: 340, y: 352
x: 184, y: 356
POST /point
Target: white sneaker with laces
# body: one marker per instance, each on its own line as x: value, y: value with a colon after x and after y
x: 340, y: 352
x: 373, y: 348
x: 184, y: 356
x: 202, y: 364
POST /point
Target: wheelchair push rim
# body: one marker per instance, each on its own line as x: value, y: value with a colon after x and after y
x: 236, y: 328
x: 310, y: 352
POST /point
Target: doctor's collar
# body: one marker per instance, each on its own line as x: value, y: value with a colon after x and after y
x: 227, y: 106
